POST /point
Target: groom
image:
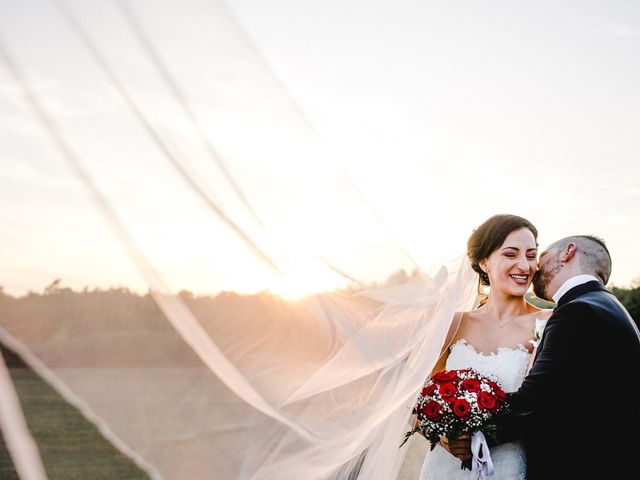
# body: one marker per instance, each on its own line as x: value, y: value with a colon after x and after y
x: 578, y: 409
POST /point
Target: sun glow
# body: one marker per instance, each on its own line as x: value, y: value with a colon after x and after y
x: 307, y: 279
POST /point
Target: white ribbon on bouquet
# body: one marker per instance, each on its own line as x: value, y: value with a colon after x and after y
x: 481, y: 463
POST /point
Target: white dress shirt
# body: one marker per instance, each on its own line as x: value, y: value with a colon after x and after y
x: 572, y: 282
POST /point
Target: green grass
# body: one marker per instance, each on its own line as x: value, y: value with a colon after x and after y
x: 71, y: 447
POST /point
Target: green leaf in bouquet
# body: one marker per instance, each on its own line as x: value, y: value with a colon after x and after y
x: 408, y: 435
x: 491, y: 431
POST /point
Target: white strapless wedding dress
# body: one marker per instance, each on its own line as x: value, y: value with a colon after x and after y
x: 508, y: 366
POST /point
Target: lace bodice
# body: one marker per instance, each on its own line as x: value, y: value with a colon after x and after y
x: 508, y: 367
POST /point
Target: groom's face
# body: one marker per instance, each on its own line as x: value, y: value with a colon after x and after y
x: 548, y: 267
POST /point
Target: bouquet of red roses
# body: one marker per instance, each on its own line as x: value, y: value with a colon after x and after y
x: 454, y: 402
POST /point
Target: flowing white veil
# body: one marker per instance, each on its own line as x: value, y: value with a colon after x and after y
x: 322, y: 388
x: 236, y: 385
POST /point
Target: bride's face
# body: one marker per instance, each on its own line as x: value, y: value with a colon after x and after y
x: 511, y: 267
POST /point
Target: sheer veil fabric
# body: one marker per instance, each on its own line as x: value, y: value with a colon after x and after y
x: 323, y: 388
x: 237, y: 386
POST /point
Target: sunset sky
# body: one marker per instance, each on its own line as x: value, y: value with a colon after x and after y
x: 362, y: 132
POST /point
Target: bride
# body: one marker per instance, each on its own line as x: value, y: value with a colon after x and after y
x: 497, y: 338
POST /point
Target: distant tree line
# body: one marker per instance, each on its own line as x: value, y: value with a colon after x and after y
x: 630, y: 298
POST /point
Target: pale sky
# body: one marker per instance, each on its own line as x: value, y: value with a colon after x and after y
x: 441, y: 113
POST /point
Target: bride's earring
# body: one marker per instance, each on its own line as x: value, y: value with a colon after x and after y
x: 485, y: 269
x: 483, y: 290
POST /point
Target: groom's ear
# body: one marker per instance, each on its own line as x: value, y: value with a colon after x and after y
x: 569, y: 252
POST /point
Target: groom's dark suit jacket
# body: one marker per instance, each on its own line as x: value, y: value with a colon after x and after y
x: 578, y: 410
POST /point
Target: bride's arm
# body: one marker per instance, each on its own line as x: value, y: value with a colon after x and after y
x: 444, y: 353
x: 451, y: 335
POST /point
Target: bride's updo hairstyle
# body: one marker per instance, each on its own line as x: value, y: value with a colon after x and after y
x: 489, y: 236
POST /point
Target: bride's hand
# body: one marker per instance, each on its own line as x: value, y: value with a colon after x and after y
x: 459, y: 447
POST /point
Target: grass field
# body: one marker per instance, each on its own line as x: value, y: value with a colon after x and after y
x: 71, y: 447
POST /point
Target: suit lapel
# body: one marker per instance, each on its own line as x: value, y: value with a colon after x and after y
x: 572, y: 294
x: 579, y: 290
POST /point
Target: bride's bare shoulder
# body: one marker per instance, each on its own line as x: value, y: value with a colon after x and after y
x: 461, y: 322
x: 456, y: 323
x: 471, y: 315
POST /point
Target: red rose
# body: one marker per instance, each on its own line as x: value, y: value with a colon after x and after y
x: 428, y: 390
x: 448, y: 391
x: 432, y: 410
x: 471, y: 385
x: 486, y: 401
x: 445, y: 376
x: 501, y: 397
x: 461, y: 408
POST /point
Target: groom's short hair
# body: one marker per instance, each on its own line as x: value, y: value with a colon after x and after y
x: 594, y: 254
